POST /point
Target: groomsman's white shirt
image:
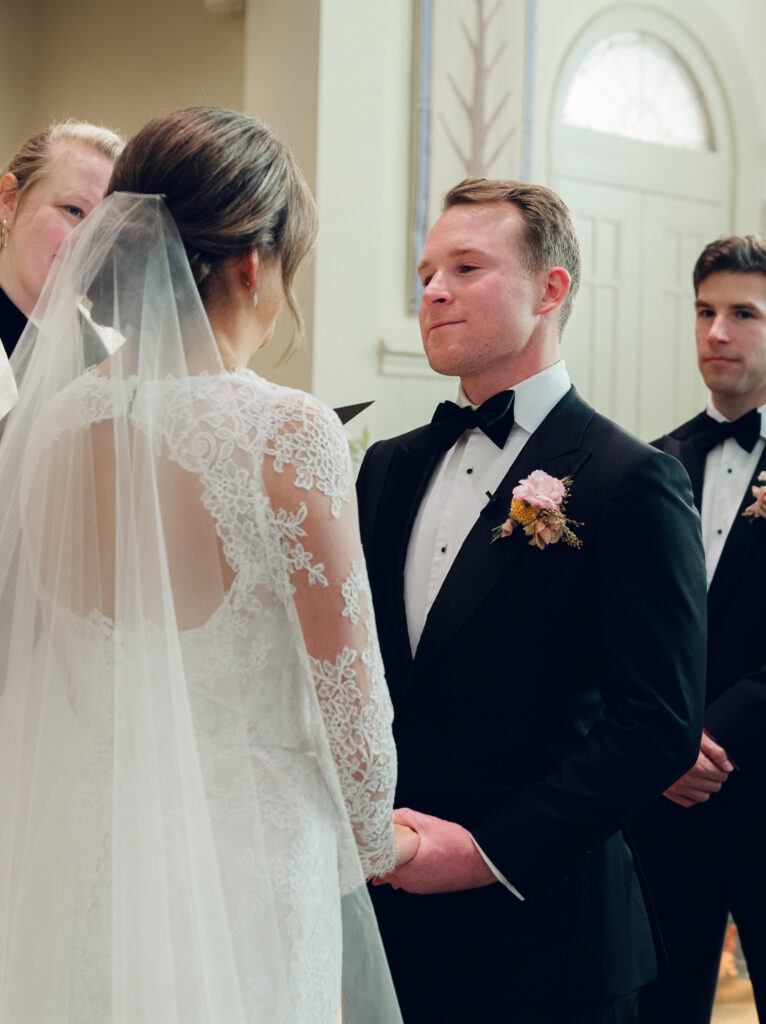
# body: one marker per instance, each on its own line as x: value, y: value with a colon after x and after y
x: 456, y: 494
x: 729, y: 472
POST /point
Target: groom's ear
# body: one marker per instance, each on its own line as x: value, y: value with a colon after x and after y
x: 554, y: 288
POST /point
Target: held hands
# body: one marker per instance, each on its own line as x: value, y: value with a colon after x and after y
x: 705, y: 777
x: 406, y: 843
x: 444, y: 857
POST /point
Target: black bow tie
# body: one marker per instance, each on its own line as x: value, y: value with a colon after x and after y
x: 494, y: 417
x: 709, y: 432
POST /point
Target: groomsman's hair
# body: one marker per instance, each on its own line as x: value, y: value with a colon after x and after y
x: 231, y: 186
x: 549, y: 237
x: 32, y: 160
x: 740, y: 254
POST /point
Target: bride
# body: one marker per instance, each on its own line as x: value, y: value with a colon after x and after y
x: 196, y: 760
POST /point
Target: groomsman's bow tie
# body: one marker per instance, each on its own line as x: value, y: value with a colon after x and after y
x: 494, y: 417
x: 709, y: 432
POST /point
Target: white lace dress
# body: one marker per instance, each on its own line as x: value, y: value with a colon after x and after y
x: 203, y: 767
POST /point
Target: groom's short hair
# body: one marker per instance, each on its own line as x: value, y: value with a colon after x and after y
x: 739, y: 254
x: 549, y: 236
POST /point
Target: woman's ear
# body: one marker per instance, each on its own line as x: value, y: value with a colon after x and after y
x: 9, y: 194
x: 247, y: 267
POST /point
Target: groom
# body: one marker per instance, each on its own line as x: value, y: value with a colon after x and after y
x: 544, y: 691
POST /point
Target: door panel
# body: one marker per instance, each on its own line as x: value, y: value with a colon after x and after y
x: 629, y: 345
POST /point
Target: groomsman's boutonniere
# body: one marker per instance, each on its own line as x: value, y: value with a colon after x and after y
x: 539, y: 505
x: 758, y: 508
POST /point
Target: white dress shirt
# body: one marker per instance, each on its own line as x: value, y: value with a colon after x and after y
x: 729, y: 472
x: 457, y: 491
x: 455, y: 496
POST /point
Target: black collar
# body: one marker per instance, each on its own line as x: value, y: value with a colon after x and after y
x: 12, y: 323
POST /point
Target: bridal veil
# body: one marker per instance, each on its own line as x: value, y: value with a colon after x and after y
x: 196, y: 764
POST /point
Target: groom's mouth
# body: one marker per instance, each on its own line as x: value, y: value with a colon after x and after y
x: 720, y: 360
x: 443, y: 323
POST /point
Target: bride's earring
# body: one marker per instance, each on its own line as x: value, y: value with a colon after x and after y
x: 5, y: 232
x: 255, y: 297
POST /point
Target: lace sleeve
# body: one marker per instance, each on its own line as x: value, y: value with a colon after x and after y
x: 308, y: 477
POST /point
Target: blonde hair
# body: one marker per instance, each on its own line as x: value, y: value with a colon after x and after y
x: 230, y: 185
x: 33, y: 159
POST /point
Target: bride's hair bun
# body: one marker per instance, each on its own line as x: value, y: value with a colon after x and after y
x: 230, y: 185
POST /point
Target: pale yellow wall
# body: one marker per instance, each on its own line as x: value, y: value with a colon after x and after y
x: 17, y: 38
x: 280, y: 86
x: 119, y: 63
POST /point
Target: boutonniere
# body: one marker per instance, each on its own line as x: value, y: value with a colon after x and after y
x: 539, y: 505
x: 758, y: 508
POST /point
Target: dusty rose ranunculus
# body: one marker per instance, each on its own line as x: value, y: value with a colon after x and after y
x: 540, y: 490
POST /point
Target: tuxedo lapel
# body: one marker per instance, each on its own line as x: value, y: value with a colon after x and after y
x: 693, y: 461
x: 480, y: 564
x: 408, y: 474
x: 736, y: 558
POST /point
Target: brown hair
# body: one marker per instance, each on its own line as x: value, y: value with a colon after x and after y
x: 549, y: 236
x: 741, y: 254
x: 230, y: 185
x: 33, y: 159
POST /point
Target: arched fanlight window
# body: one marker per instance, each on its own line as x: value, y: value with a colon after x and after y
x: 633, y: 84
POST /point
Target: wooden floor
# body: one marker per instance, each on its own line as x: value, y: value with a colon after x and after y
x: 734, y: 1002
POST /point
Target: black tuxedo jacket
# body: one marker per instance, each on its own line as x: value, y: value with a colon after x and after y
x: 714, y: 852
x: 553, y: 693
x: 736, y: 666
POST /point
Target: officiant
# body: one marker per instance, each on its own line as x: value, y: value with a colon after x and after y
x: 48, y: 187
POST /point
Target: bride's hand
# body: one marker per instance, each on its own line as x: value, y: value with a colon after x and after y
x: 406, y: 843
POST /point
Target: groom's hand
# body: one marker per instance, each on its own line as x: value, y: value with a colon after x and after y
x: 705, y: 777
x: 446, y: 860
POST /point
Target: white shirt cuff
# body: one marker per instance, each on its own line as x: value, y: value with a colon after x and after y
x: 498, y: 875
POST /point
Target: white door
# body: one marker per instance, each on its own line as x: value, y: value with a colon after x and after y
x: 629, y: 344
x: 641, y: 155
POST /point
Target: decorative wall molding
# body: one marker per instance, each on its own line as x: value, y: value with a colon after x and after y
x: 401, y: 355
x: 473, y: 82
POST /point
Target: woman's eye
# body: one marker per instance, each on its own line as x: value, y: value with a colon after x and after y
x: 74, y: 211
x: 466, y: 268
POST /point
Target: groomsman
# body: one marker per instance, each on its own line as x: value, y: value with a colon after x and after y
x: 546, y: 658
x: 703, y: 844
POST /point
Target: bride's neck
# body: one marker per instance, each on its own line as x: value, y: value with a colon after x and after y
x: 235, y: 328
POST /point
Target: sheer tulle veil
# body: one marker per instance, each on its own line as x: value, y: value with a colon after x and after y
x: 177, y: 845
